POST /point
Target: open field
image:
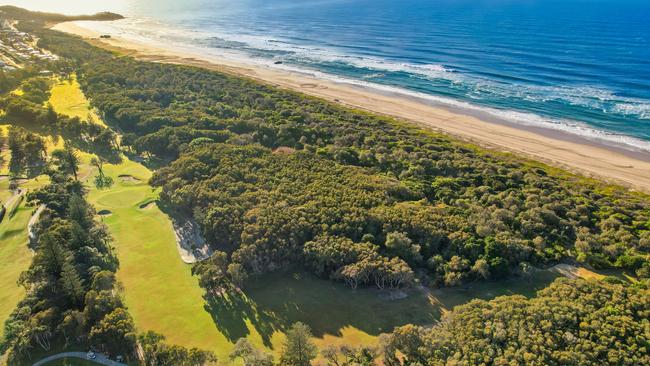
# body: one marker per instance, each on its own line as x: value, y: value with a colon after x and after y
x: 158, y: 288
x: 67, y: 98
x: 16, y: 257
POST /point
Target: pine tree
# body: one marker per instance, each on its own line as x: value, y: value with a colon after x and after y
x: 299, y: 349
x: 78, y: 211
x: 71, y: 283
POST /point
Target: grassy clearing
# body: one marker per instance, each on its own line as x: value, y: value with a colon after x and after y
x: 158, y: 288
x: 67, y: 98
x: 336, y: 314
x: 14, y: 253
x: 16, y: 257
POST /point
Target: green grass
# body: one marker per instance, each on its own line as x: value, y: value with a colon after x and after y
x: 5, y: 193
x: 335, y: 313
x: 448, y: 298
x: 162, y: 295
x: 67, y: 98
x: 158, y: 288
x: 15, y: 256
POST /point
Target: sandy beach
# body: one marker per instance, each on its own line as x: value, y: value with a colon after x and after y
x: 555, y: 148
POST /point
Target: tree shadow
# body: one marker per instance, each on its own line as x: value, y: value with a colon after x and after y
x: 151, y: 163
x: 111, y: 155
x: 276, y: 301
x: 231, y: 312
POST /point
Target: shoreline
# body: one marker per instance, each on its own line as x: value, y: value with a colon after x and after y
x: 553, y: 147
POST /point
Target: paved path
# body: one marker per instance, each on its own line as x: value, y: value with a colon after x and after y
x: 101, y: 359
x: 12, y: 200
x: 32, y: 221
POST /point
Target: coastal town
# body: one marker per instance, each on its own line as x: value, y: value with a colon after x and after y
x: 18, y: 49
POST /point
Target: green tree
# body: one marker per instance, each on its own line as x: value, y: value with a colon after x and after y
x: 101, y: 180
x: 115, y: 333
x: 299, y: 349
x: 72, y: 284
x: 402, y: 246
x: 249, y: 354
x: 237, y: 273
x: 67, y: 159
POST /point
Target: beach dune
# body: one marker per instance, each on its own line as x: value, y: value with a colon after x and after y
x: 563, y: 150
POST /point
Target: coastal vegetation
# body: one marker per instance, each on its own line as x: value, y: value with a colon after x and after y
x: 569, y: 323
x: 401, y: 200
x: 323, y: 221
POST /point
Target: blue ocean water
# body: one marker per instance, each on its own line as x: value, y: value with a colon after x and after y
x: 577, y: 65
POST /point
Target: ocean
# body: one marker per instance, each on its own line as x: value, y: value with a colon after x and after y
x: 580, y: 66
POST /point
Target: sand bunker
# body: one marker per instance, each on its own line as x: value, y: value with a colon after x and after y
x: 147, y: 205
x: 129, y: 178
x: 191, y: 245
x: 573, y: 272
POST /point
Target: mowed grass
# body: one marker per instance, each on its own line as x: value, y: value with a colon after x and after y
x: 15, y: 256
x: 159, y: 289
x: 336, y: 314
x: 66, y: 97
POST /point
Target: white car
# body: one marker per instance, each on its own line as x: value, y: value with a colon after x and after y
x: 91, y: 355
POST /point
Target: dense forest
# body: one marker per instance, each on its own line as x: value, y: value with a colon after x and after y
x: 275, y: 177
x: 571, y: 322
x: 279, y: 179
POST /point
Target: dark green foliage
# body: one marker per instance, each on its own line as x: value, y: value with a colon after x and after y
x: 156, y: 352
x: 299, y: 349
x: 22, y: 111
x: 352, y: 196
x: 9, y: 80
x: 354, y: 176
x: 572, y: 322
x: 66, y: 159
x: 27, y: 153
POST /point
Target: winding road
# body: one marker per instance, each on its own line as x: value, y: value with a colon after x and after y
x: 100, y: 360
